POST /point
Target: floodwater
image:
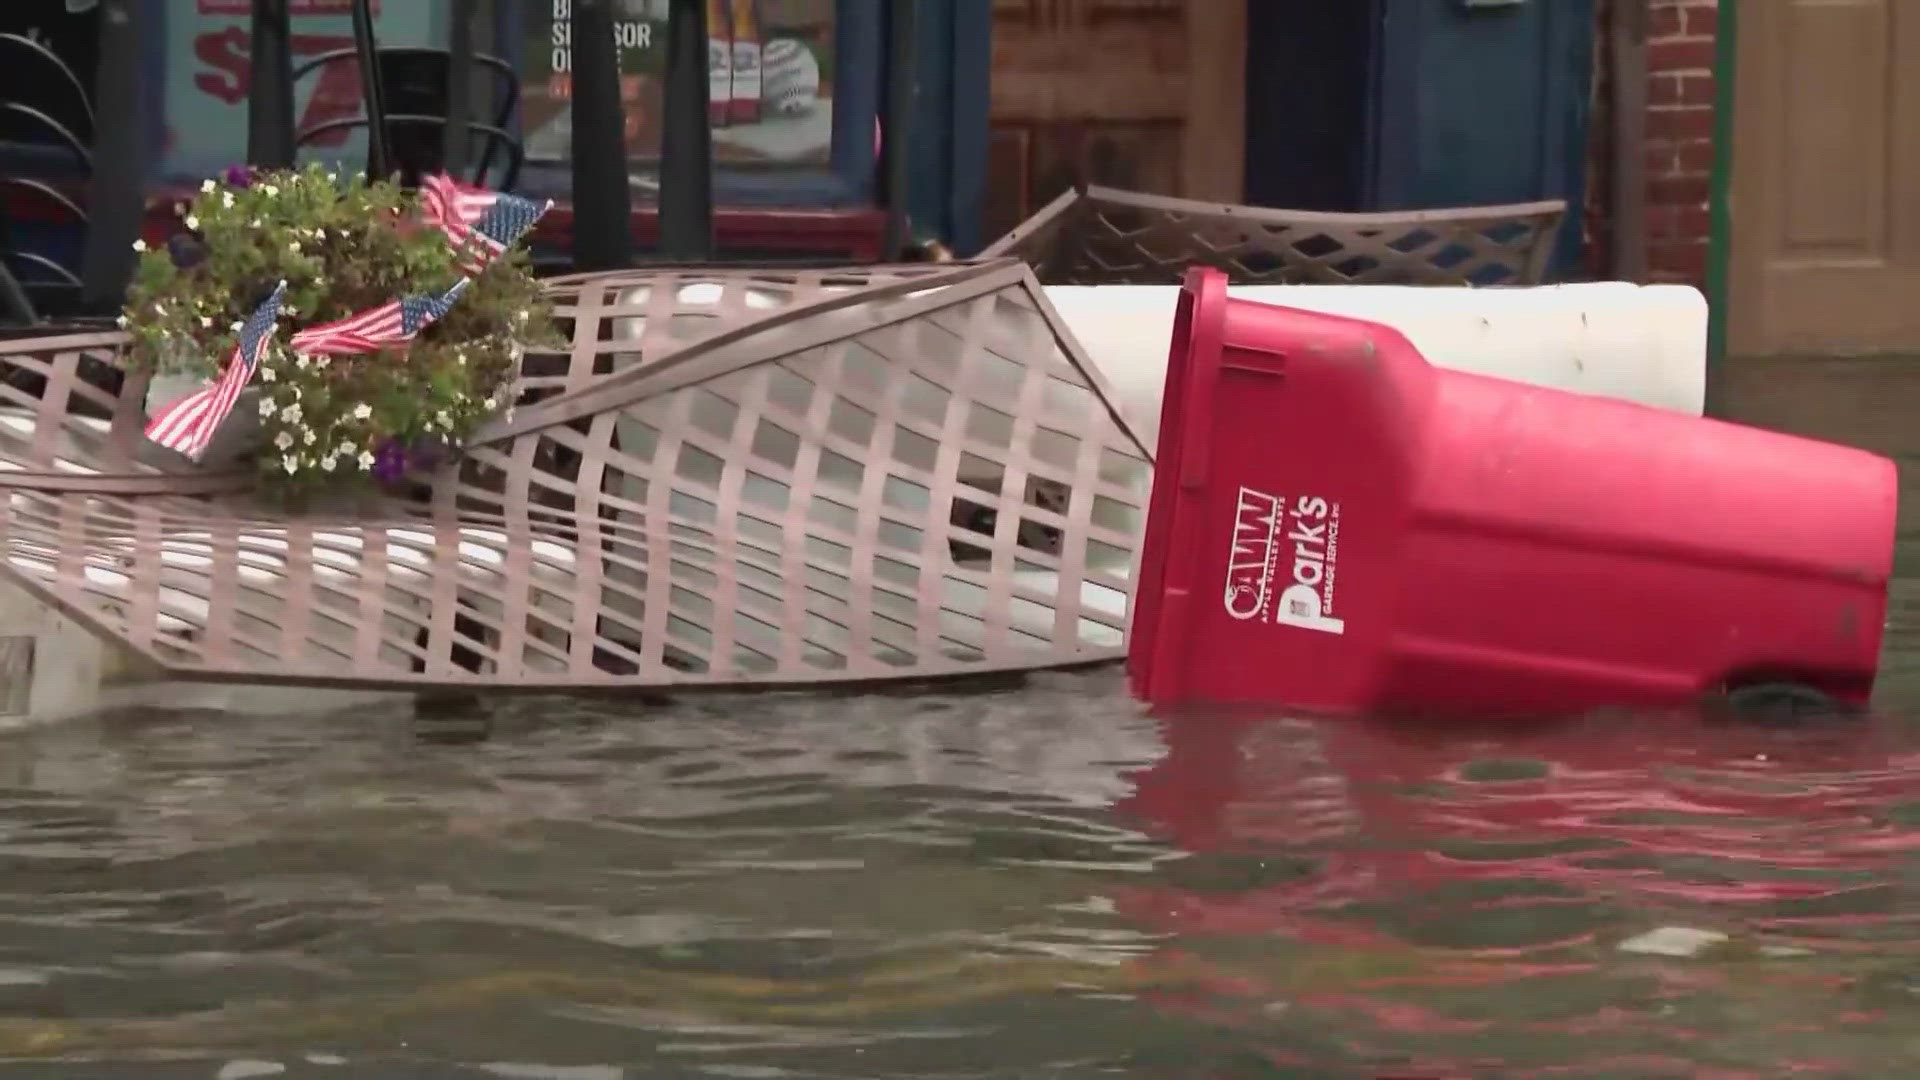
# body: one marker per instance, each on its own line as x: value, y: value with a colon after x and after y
x: 1030, y: 880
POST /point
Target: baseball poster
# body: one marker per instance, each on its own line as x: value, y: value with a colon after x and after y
x: 769, y: 78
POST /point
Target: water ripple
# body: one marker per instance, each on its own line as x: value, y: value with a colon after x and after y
x: 1032, y: 881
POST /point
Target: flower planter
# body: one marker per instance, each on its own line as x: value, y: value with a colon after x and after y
x: 237, y: 439
x: 354, y: 316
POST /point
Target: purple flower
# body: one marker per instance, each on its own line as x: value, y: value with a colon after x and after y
x: 390, y: 461
x: 240, y: 176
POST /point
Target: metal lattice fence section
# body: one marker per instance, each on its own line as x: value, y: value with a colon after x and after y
x: 616, y: 322
x: 1103, y: 236
x: 70, y: 415
x: 905, y: 474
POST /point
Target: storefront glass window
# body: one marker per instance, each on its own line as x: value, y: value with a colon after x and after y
x: 770, y: 78
x: 794, y: 86
x: 208, y: 73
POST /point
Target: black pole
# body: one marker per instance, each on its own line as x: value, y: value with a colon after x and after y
x: 453, y: 155
x: 372, y: 91
x: 116, y: 193
x: 686, y: 140
x: 903, y: 87
x: 270, y: 95
x: 602, y: 206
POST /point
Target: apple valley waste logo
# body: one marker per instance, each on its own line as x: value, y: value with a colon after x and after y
x: 1304, y: 540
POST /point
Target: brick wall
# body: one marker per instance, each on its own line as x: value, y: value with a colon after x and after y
x: 1679, y: 141
x: 1680, y: 44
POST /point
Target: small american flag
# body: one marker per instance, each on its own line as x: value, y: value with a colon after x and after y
x: 481, y: 223
x: 188, y: 425
x: 390, y: 324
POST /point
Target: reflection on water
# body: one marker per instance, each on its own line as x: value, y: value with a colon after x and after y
x: 1018, y: 882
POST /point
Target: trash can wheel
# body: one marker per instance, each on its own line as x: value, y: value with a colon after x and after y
x: 1783, y: 702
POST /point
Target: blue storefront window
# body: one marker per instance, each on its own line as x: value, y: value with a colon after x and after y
x: 207, y: 69
x: 794, y: 90
x: 811, y: 143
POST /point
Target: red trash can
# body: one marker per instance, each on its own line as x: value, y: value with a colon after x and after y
x: 1337, y: 525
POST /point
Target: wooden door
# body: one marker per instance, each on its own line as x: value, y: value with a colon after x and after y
x: 1141, y: 94
x: 1825, y: 198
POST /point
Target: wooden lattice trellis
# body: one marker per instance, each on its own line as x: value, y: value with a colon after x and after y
x: 732, y: 477
x: 1104, y: 236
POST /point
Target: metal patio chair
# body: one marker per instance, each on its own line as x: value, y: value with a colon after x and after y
x: 1105, y: 236
x: 109, y: 160
x: 35, y: 283
x: 416, y: 113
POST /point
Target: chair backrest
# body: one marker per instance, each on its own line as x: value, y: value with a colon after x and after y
x: 417, y: 149
x: 57, y: 90
x: 414, y: 82
x: 59, y: 116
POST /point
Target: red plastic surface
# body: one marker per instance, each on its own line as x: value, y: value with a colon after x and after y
x: 1340, y: 526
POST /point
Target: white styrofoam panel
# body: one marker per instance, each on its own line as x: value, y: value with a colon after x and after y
x: 1643, y: 343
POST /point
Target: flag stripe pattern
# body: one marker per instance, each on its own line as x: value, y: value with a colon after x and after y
x: 390, y: 324
x: 481, y: 224
x: 188, y: 425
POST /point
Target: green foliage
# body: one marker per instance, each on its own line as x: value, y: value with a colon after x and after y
x: 342, y: 246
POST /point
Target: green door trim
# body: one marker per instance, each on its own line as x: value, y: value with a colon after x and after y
x: 1720, y: 183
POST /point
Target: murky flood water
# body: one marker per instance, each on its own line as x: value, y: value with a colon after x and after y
x: 1024, y: 882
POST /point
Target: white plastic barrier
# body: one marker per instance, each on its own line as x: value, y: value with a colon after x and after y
x: 1644, y: 343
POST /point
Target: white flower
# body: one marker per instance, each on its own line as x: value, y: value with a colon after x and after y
x: 238, y: 326
x: 362, y: 411
x: 290, y: 414
x: 328, y: 462
x: 192, y: 222
x: 269, y: 190
x: 443, y: 419
x: 365, y: 459
x: 302, y: 361
x: 289, y: 464
x: 121, y: 322
x: 207, y: 186
x: 293, y: 246
x: 226, y: 200
x: 308, y: 437
x: 140, y: 245
x: 267, y: 407
x: 267, y: 375
x: 206, y: 321
x: 283, y: 441
x: 345, y: 449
